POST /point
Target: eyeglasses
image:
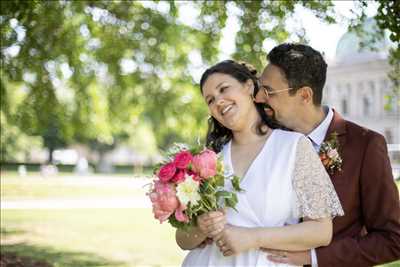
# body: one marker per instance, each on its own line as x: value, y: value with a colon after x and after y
x: 268, y: 92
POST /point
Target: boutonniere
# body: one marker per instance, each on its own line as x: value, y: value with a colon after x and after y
x: 329, y: 154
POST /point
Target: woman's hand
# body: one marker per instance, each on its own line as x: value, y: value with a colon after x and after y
x: 211, y: 223
x: 233, y: 240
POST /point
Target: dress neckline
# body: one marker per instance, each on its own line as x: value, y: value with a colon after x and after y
x: 229, y: 154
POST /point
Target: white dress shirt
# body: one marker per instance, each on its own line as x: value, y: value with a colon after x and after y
x: 317, y: 136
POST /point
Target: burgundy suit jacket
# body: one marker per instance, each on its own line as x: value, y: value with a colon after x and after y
x: 369, y: 232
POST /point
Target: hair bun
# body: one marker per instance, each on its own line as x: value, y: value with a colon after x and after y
x: 249, y: 67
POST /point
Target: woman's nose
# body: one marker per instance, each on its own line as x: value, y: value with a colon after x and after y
x: 220, y: 100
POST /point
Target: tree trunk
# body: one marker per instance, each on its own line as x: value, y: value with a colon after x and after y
x: 50, y: 159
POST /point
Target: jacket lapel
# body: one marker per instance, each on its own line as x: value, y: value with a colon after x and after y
x: 338, y: 125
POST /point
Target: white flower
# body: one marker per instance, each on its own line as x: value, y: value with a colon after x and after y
x: 187, y: 191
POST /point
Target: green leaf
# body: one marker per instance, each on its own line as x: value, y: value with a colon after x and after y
x: 235, y: 180
x: 231, y: 201
x: 223, y: 194
x: 218, y: 180
x: 229, y: 198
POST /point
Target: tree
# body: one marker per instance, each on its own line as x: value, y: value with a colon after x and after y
x: 91, y: 71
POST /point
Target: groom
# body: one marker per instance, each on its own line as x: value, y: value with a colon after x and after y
x: 369, y: 233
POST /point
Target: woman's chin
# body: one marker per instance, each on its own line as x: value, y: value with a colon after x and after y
x: 230, y: 122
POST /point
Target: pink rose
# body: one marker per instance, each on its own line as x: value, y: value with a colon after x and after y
x: 164, y: 200
x: 205, y: 164
x: 167, y: 172
x: 178, y: 177
x: 182, y: 159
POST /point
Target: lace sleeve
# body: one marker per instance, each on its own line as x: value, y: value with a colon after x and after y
x: 315, y: 195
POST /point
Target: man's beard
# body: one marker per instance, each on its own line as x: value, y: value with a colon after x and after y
x: 269, y: 111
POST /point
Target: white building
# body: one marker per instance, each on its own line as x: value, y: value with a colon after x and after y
x: 357, y: 87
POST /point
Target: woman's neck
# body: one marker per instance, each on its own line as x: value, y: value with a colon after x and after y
x: 250, y: 135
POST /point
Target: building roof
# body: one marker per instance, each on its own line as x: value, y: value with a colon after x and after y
x: 348, y: 49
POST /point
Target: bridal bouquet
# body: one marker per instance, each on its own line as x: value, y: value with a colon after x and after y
x: 189, y: 183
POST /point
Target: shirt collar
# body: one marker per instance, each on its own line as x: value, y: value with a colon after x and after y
x: 317, y: 135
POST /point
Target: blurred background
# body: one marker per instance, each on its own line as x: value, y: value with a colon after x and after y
x: 92, y: 92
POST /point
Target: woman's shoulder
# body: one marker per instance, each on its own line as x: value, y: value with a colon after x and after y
x: 285, y: 142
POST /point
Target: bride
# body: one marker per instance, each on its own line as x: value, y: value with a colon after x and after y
x: 283, y: 179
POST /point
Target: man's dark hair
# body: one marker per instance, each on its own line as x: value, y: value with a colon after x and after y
x: 301, y: 65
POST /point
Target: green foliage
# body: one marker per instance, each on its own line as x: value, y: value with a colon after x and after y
x: 235, y: 180
x: 15, y: 145
x: 180, y: 225
x: 80, y: 88
x: 265, y: 20
x: 388, y: 18
x: 229, y: 198
x: 111, y: 72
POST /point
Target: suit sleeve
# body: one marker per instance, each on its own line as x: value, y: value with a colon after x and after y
x: 381, y: 214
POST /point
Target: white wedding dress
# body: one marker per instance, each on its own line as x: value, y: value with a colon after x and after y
x: 285, y: 182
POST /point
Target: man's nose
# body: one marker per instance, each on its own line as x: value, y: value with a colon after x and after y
x: 260, y: 97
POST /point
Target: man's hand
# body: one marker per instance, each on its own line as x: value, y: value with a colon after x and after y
x: 289, y: 257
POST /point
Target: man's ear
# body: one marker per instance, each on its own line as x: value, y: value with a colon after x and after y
x: 306, y: 94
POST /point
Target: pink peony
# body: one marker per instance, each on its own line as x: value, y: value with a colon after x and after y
x: 178, y: 177
x: 205, y: 164
x: 180, y: 216
x: 182, y: 159
x: 167, y: 172
x: 164, y: 200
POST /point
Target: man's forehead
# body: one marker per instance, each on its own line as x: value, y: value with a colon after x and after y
x: 271, y: 73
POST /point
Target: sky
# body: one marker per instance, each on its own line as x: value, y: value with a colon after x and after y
x: 316, y: 30
x: 322, y: 36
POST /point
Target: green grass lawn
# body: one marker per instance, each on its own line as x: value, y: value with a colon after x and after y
x: 85, y: 237
x: 36, y: 187
x: 90, y: 237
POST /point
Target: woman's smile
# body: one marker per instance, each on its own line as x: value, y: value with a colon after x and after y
x: 226, y: 109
